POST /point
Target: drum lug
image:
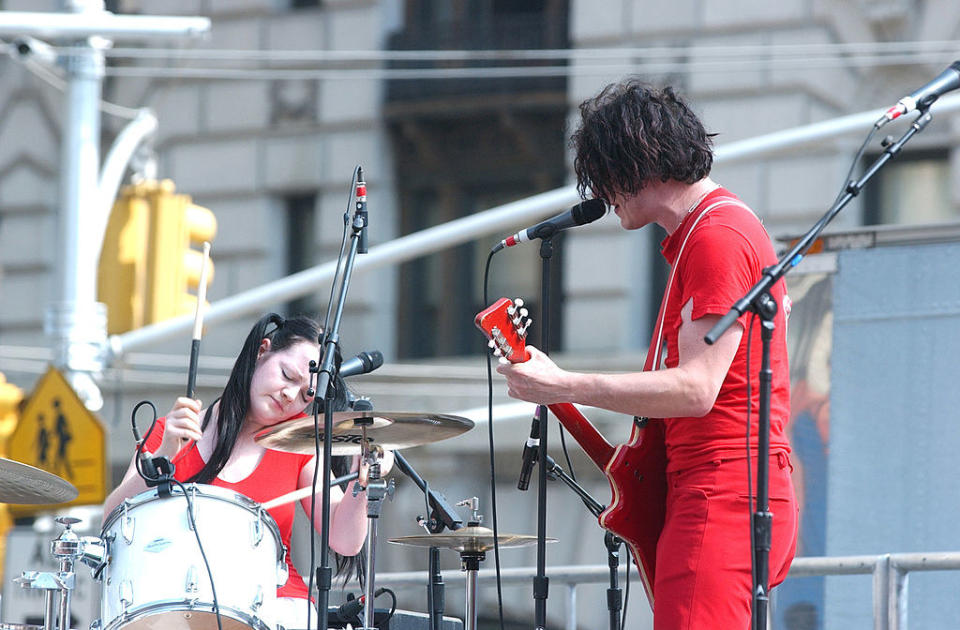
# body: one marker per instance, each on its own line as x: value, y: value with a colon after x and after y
x: 191, y: 585
x: 257, y: 533
x: 192, y: 503
x: 126, y: 524
x: 126, y: 595
x: 257, y: 599
x: 282, y: 571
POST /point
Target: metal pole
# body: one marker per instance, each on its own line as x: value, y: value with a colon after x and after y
x: 77, y: 323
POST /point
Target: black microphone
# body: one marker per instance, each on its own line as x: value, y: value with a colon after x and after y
x: 584, y: 212
x: 530, y: 451
x: 921, y: 99
x: 361, y: 212
x: 363, y: 363
x: 349, y: 611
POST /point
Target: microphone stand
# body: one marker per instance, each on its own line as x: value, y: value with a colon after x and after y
x: 759, y: 301
x: 541, y: 583
x: 611, y: 541
x: 441, y: 515
x: 326, y: 371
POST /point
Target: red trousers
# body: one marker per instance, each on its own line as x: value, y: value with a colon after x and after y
x: 703, y: 577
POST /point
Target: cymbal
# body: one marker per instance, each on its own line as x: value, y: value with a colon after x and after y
x: 472, y: 539
x: 21, y: 483
x: 390, y: 430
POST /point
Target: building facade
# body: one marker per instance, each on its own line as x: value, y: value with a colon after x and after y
x: 273, y: 154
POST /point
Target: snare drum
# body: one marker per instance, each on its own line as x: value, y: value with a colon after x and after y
x: 155, y: 576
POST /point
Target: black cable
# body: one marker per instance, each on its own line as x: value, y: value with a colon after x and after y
x: 753, y: 563
x: 343, y: 247
x: 493, y: 474
x: 393, y: 605
x: 626, y: 591
x: 203, y: 554
x: 853, y: 165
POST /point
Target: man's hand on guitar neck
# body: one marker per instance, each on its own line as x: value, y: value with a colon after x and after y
x: 537, y: 380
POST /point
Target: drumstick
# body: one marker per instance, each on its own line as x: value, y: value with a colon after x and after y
x: 197, y: 326
x: 302, y: 493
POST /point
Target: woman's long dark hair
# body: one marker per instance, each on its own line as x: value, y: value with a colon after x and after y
x: 235, y: 401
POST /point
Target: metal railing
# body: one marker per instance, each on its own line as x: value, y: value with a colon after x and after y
x: 890, y: 579
x: 492, y: 221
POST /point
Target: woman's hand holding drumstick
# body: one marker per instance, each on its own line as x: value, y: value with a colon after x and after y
x: 197, y: 334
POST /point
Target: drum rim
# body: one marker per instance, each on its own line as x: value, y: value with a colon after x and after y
x: 180, y: 605
x: 203, y: 489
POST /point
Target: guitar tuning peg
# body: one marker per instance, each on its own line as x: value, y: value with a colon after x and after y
x: 511, y: 310
x: 491, y: 344
x: 497, y: 353
x: 504, y: 361
x: 518, y: 302
x: 524, y: 312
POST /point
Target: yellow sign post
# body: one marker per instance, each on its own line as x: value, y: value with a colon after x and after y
x: 58, y: 434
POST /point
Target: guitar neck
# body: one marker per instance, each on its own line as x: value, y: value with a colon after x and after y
x: 586, y: 435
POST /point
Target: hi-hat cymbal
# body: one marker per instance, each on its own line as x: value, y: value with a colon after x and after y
x: 390, y: 430
x: 472, y: 539
x: 21, y: 483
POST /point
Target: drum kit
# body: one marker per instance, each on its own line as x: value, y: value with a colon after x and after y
x: 155, y: 575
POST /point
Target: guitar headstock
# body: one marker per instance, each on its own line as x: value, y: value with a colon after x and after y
x: 505, y: 323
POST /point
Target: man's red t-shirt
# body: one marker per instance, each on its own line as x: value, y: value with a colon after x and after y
x: 724, y: 256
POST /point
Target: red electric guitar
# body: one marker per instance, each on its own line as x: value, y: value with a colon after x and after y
x: 636, y: 470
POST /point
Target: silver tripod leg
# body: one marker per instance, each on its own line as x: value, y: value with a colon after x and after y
x: 377, y: 489
x: 470, y: 562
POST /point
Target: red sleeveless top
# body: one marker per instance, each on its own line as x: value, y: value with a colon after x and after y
x: 275, y: 475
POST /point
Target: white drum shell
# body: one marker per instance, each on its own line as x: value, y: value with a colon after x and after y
x: 155, y: 576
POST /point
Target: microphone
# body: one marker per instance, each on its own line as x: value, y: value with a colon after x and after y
x: 349, y: 611
x: 921, y: 99
x: 584, y: 212
x: 361, y: 212
x: 363, y: 363
x: 530, y: 451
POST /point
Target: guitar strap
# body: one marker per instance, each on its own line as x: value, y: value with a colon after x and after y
x: 654, y: 359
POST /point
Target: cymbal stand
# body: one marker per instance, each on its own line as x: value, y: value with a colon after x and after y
x: 470, y: 563
x: 377, y: 489
x: 439, y: 515
x: 68, y: 547
x: 610, y: 541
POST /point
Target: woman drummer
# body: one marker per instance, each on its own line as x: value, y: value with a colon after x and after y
x: 269, y: 383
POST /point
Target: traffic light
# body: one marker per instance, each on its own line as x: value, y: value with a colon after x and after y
x: 10, y: 398
x: 122, y: 272
x: 173, y: 265
x: 147, y: 264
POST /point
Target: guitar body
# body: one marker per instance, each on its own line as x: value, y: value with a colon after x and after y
x: 638, y: 482
x: 636, y: 470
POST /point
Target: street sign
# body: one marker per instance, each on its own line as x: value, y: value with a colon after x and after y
x: 58, y: 434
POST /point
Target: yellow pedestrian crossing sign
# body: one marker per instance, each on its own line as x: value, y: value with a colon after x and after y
x: 58, y: 434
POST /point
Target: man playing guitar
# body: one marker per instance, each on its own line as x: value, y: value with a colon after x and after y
x: 645, y: 152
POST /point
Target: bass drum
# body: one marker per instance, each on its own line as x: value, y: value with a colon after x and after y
x: 155, y: 576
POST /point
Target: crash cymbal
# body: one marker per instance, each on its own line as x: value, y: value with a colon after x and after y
x: 21, y: 483
x: 472, y: 539
x: 390, y: 430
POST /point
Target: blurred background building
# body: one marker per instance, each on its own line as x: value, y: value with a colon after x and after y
x: 449, y: 112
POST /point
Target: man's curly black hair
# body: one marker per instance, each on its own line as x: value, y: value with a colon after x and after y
x: 633, y: 133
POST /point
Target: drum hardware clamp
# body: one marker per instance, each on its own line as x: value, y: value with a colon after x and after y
x: 67, y: 548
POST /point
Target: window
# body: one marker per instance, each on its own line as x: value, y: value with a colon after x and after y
x: 911, y: 188
x: 301, y: 248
